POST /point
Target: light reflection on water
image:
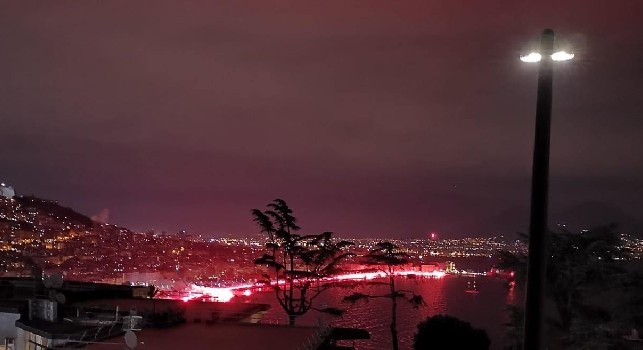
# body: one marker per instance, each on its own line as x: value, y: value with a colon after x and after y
x: 486, y: 309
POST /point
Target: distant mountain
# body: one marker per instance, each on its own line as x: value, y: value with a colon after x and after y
x: 589, y: 214
x: 577, y: 217
x: 54, y: 210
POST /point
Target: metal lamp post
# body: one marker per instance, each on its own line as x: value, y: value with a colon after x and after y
x: 537, y: 261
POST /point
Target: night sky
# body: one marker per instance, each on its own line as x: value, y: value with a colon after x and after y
x: 370, y: 118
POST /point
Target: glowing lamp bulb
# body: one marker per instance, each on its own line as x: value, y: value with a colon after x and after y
x: 532, y: 57
x: 562, y: 56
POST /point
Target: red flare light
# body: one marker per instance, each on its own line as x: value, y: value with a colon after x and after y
x: 226, y: 294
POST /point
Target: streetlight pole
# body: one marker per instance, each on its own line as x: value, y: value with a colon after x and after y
x: 537, y: 261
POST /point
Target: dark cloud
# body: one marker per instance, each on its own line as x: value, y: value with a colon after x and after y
x: 370, y: 117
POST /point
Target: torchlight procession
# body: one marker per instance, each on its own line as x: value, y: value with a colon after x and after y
x: 195, y: 292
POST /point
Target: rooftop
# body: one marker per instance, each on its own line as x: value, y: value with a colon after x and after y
x: 222, y: 336
x: 232, y: 312
x: 51, y: 329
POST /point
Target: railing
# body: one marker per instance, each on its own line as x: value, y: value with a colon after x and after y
x: 95, y: 334
x: 236, y: 317
x: 9, y: 343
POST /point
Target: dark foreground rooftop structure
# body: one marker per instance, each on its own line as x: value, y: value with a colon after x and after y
x: 97, y: 316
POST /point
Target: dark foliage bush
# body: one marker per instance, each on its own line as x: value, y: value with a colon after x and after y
x: 442, y: 332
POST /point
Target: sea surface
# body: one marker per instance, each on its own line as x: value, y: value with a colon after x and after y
x: 486, y: 309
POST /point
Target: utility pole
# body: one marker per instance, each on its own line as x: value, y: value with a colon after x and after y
x: 537, y: 261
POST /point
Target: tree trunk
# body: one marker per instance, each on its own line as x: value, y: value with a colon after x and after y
x: 393, y: 310
x: 394, y: 323
x: 291, y: 320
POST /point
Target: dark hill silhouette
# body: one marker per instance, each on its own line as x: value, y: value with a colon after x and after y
x: 53, y: 209
x: 577, y: 217
x: 590, y: 214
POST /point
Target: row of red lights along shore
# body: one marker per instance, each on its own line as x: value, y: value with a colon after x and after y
x: 195, y: 292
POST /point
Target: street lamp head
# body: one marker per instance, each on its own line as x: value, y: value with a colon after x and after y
x: 556, y: 50
x: 562, y: 56
x: 556, y: 56
x: 531, y: 57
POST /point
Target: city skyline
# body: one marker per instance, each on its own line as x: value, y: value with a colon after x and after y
x: 386, y: 118
x: 47, y: 248
x: 576, y: 219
